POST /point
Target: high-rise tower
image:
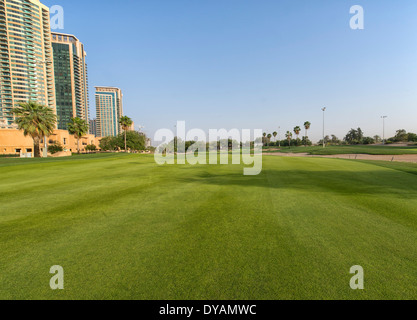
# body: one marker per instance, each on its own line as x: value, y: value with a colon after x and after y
x: 26, y: 57
x: 71, y: 80
x: 109, y: 109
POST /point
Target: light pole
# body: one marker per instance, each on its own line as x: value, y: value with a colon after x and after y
x: 324, y: 111
x: 383, y: 128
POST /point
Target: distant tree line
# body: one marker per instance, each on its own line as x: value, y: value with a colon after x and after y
x: 128, y: 140
x: 356, y: 136
x: 179, y: 146
x: 402, y: 136
x: 289, y: 140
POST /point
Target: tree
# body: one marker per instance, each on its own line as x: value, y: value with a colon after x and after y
x: 36, y: 120
x: 307, y: 126
x: 126, y: 123
x: 368, y: 140
x: 326, y: 140
x: 108, y: 143
x: 275, y: 134
x: 401, y: 136
x: 377, y: 139
x: 354, y: 136
x: 269, y: 138
x: 334, y: 140
x: 134, y: 141
x: 79, y: 128
x: 288, y: 135
x: 90, y: 147
x: 297, y: 131
x: 306, y: 141
x: 264, y: 139
x: 360, y: 134
x: 412, y: 137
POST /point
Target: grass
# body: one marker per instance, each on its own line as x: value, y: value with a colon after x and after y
x: 124, y: 228
x: 360, y: 149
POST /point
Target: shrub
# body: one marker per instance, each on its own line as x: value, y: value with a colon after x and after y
x: 368, y: 140
x: 90, y: 147
x: 55, y: 148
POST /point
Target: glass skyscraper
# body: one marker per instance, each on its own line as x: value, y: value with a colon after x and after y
x: 71, y: 80
x: 26, y: 57
x: 93, y: 127
x: 109, y: 109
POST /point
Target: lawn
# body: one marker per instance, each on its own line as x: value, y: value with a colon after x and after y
x: 360, y: 149
x: 124, y: 228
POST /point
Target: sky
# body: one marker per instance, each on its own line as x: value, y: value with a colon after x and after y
x: 253, y: 64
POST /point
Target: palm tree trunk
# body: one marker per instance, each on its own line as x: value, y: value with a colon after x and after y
x: 305, y: 142
x: 78, y: 145
x: 36, y: 148
x: 125, y: 143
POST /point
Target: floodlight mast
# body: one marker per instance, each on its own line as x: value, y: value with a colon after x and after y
x: 279, y: 139
x: 324, y: 111
x: 383, y: 128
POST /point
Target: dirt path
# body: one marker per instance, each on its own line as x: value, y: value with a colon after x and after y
x: 399, y: 158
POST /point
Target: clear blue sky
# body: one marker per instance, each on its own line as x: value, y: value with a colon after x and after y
x: 253, y: 63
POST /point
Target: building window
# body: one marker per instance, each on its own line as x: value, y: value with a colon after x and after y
x: 65, y: 140
x: 17, y: 150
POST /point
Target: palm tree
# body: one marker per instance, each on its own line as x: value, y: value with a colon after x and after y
x: 269, y: 138
x: 264, y: 139
x: 126, y: 123
x: 297, y: 131
x: 289, y: 137
x: 275, y: 135
x: 36, y: 120
x: 307, y: 126
x: 79, y: 128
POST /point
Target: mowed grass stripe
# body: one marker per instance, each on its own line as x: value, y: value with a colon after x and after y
x: 341, y: 226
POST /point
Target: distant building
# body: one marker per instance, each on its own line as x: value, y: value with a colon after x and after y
x: 93, y: 127
x: 13, y: 142
x: 71, y: 80
x: 109, y: 109
x: 26, y: 69
x: 5, y: 125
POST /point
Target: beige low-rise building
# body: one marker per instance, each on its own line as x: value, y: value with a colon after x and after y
x: 13, y: 141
